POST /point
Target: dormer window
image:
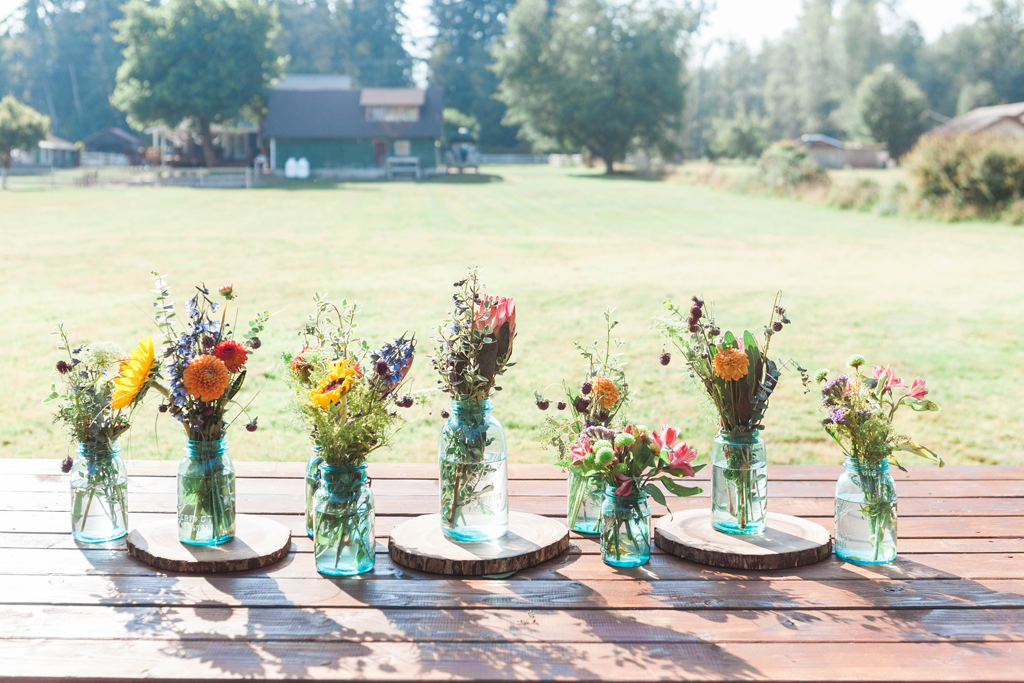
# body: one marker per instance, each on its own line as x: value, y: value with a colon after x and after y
x: 403, y: 112
x: 392, y: 105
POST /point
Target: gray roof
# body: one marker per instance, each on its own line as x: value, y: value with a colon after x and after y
x: 338, y: 114
x: 981, y: 118
x: 315, y: 82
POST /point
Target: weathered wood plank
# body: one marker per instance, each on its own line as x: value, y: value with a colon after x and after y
x: 526, y: 594
x: 257, y: 624
x: 203, y: 660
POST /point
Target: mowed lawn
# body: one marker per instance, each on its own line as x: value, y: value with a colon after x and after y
x: 945, y: 301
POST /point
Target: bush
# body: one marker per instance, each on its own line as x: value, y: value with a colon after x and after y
x: 785, y: 166
x: 743, y: 137
x: 858, y: 193
x: 975, y: 173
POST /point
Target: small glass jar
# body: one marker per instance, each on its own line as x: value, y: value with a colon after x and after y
x: 206, y: 494
x: 312, y: 481
x: 99, y: 486
x: 473, y: 463
x: 585, y: 500
x: 865, y: 530
x: 625, y: 529
x: 343, y: 536
x: 739, y: 483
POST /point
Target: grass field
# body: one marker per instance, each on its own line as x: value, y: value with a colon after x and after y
x: 942, y: 300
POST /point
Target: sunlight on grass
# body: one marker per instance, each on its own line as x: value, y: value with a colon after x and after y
x: 941, y: 300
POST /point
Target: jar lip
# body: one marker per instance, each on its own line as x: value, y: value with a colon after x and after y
x: 98, y: 449
x: 343, y: 468
x: 740, y: 435
x: 471, y: 403
x: 857, y: 463
x: 637, y: 494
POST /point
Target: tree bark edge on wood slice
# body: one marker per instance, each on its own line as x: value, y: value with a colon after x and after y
x: 420, y: 544
x: 258, y: 543
x: 787, y: 542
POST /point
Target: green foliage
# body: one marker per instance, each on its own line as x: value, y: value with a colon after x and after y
x: 21, y: 127
x: 860, y: 194
x: 455, y: 119
x: 744, y: 137
x: 206, y: 61
x: 594, y: 74
x: 377, y: 54
x: 974, y: 95
x: 787, y: 165
x: 969, y: 171
x: 891, y: 108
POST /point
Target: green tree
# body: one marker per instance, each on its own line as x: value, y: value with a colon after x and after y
x: 21, y: 127
x: 594, y: 74
x: 206, y: 61
x: 891, y: 107
x: 974, y: 95
x: 742, y: 137
x: 378, y: 56
x: 315, y: 36
x: 454, y: 119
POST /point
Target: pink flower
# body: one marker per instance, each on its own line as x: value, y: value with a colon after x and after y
x: 887, y: 378
x: 917, y: 389
x: 496, y: 312
x: 679, y: 455
x: 625, y: 485
x: 580, y: 449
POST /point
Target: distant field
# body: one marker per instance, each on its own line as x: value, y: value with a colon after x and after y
x: 942, y: 300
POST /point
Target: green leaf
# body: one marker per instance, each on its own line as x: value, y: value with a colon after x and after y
x: 753, y: 360
x: 656, y: 493
x: 730, y: 340
x: 923, y: 451
x: 922, y: 406
x: 678, y: 490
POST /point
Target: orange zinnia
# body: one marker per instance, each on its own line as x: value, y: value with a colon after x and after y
x: 731, y: 364
x: 206, y: 377
x: 605, y: 392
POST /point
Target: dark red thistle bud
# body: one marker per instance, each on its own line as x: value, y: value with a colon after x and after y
x: 586, y: 387
x: 696, y: 313
x: 666, y: 358
x: 162, y: 407
x: 65, y: 466
x: 543, y: 403
x: 777, y: 327
x: 209, y: 342
x: 445, y: 414
x: 561, y: 405
x: 252, y: 426
x: 581, y: 404
x: 404, y: 402
x: 697, y: 301
x: 207, y: 412
x: 63, y: 367
x: 382, y: 368
x: 695, y: 328
x: 255, y: 343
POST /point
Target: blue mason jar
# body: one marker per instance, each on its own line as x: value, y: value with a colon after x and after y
x: 865, y: 531
x: 473, y: 463
x: 625, y: 529
x: 739, y: 483
x: 312, y: 482
x: 99, y: 486
x: 343, y: 535
x: 206, y: 494
x: 585, y: 500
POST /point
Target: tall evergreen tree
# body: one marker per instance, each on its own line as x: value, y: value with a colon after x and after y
x: 315, y: 35
x: 378, y: 57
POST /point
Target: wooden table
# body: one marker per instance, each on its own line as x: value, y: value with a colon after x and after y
x: 950, y: 608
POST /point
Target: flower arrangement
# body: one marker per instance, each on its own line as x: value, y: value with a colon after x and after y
x: 601, y: 396
x: 738, y: 379
x: 474, y: 348
x: 860, y: 413
x: 350, y: 413
x: 205, y: 370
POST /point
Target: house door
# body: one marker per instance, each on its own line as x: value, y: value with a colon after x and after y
x: 380, y: 153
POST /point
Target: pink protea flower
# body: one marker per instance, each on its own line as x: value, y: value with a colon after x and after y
x: 887, y: 378
x: 917, y: 389
x: 494, y: 314
x: 680, y: 455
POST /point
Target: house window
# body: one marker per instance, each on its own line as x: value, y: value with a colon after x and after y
x: 402, y: 148
x: 399, y: 113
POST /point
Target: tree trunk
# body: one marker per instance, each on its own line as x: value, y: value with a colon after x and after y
x: 5, y: 161
x: 209, y: 155
x: 608, y: 165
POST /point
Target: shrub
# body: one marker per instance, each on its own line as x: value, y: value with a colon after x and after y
x: 975, y: 173
x: 786, y: 165
x: 857, y: 193
x: 743, y: 137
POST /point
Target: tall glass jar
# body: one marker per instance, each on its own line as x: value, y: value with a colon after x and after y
x: 739, y: 483
x: 625, y: 529
x: 473, y: 462
x: 312, y: 481
x: 343, y: 536
x: 865, y: 513
x: 206, y: 494
x: 585, y: 500
x: 99, y: 484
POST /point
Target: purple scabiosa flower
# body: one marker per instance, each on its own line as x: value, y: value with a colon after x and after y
x: 543, y: 403
x: 404, y: 402
x: 65, y: 466
x: 586, y: 387
x: 252, y: 426
x: 445, y: 414
x: 561, y: 405
x: 63, y: 367
x: 581, y: 404
x: 666, y: 358
x: 777, y: 327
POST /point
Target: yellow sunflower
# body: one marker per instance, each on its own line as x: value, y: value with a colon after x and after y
x: 335, y: 385
x: 136, y: 371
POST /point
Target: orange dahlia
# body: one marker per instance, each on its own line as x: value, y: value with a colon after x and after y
x: 731, y: 364
x: 604, y: 391
x: 206, y: 377
x: 232, y: 353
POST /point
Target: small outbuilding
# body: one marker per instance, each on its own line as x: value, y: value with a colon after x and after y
x: 353, y: 132
x: 112, y: 147
x: 832, y: 153
x: 1005, y: 120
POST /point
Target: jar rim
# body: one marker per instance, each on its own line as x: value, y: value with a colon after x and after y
x: 637, y: 494
x: 851, y: 462
x: 740, y: 435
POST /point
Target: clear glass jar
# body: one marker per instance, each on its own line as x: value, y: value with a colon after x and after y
x: 343, y: 536
x: 625, y: 529
x: 206, y: 494
x: 99, y: 486
x: 585, y: 500
x: 473, y: 463
x: 865, y: 530
x: 739, y: 483
x: 312, y: 481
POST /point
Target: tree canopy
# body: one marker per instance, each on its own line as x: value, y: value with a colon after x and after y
x: 594, y: 74
x: 207, y: 61
x: 891, y: 107
x: 21, y: 127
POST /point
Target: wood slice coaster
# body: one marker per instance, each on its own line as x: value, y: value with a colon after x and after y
x: 258, y: 542
x: 420, y: 544
x: 787, y: 542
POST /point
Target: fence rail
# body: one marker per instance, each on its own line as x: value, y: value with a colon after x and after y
x: 133, y: 176
x: 513, y: 158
